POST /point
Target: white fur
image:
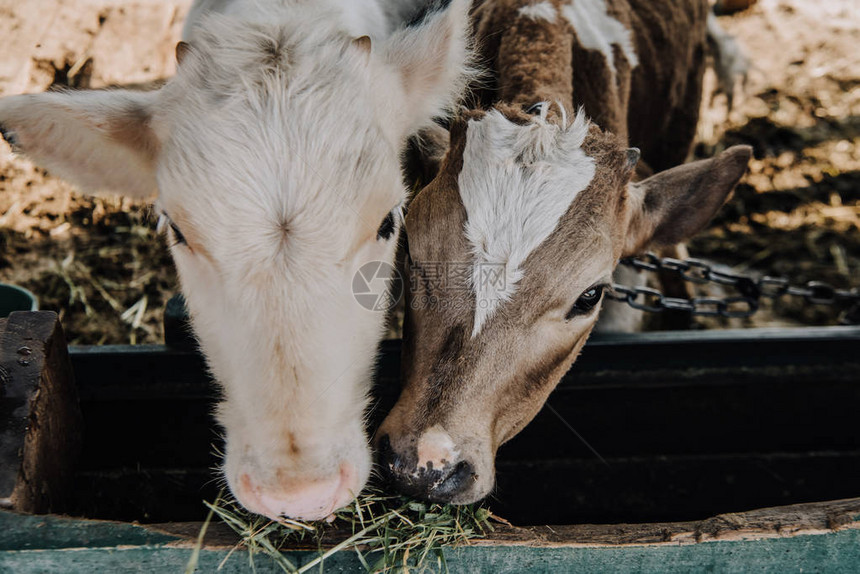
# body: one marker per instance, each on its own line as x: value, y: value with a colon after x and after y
x: 539, y: 11
x: 618, y: 316
x: 731, y: 63
x: 516, y: 184
x: 358, y: 17
x: 60, y: 131
x: 437, y: 448
x: 597, y: 30
x: 278, y: 147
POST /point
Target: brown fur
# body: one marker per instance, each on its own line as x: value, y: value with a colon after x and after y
x: 440, y: 201
x: 654, y: 106
x: 483, y: 390
x: 530, y: 61
x: 666, y: 87
x: 132, y: 130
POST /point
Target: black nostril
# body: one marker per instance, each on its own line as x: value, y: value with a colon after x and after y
x: 436, y: 485
x: 401, y: 471
x: 391, y: 462
x: 459, y: 479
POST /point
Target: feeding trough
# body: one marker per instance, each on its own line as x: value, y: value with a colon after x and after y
x: 658, y: 452
x: 731, y: 451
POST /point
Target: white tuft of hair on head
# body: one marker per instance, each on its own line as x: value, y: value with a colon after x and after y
x: 516, y: 184
x: 597, y: 30
x: 539, y: 11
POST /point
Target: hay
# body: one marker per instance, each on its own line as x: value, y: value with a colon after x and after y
x: 387, y: 533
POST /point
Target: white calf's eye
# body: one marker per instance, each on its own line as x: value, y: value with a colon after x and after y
x: 178, y: 238
x: 536, y: 109
x: 177, y: 235
x: 586, y: 302
x: 386, y: 229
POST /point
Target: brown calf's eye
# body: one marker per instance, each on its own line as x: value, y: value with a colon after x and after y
x: 386, y: 229
x: 586, y: 302
x: 536, y: 109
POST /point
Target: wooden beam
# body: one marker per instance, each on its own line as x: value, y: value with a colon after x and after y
x: 819, y: 537
x: 812, y: 518
x: 40, y: 419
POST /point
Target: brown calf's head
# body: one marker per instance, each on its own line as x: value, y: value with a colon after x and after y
x: 509, y: 251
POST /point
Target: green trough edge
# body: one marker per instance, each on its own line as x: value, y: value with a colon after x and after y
x: 52, y: 544
x: 834, y: 552
x: 25, y: 532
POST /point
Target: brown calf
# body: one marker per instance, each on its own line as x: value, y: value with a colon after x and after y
x: 511, y: 246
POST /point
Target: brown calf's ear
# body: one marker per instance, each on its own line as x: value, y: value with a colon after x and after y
x: 423, y: 155
x: 675, y: 204
x: 360, y: 47
x: 633, y: 155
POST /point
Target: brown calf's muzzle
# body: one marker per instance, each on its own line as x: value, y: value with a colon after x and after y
x: 451, y: 481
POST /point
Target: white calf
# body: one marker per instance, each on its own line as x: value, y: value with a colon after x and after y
x: 274, y: 155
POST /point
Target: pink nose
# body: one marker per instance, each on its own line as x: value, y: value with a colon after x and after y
x: 302, y: 499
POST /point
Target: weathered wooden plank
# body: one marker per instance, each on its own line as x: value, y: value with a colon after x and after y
x: 40, y: 419
x: 822, y: 537
x: 775, y: 522
x: 46, y: 532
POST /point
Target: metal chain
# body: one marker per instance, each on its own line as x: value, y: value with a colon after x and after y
x: 751, y: 290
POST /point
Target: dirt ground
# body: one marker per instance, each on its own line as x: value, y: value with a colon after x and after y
x: 102, y: 266
x: 797, y: 212
x: 97, y: 261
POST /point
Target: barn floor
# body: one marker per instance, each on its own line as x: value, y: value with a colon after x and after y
x: 100, y: 263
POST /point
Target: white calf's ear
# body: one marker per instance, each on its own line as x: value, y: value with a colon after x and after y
x: 182, y: 50
x: 675, y: 204
x: 99, y: 140
x: 363, y: 44
x: 433, y: 58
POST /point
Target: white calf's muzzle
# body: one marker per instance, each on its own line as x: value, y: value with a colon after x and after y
x: 299, y: 498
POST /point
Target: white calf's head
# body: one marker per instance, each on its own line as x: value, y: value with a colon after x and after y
x: 509, y: 251
x: 274, y: 153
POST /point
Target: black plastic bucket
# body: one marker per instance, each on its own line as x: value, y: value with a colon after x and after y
x: 13, y: 298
